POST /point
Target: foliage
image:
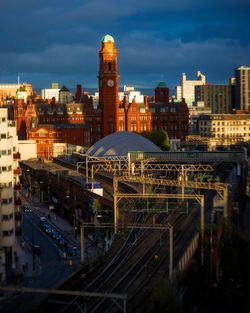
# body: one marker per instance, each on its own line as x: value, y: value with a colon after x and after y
x: 165, y: 297
x: 160, y: 138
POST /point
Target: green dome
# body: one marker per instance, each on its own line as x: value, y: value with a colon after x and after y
x: 107, y: 38
x: 162, y: 85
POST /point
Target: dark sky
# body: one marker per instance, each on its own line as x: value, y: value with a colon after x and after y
x: 48, y: 41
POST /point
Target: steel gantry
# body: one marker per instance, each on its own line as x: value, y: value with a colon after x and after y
x: 183, y: 182
x: 114, y: 297
x: 118, y: 196
x: 154, y: 226
x: 120, y: 167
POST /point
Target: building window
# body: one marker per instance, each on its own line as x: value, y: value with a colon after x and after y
x: 6, y: 200
x: 6, y: 168
x: 109, y: 66
x: 7, y: 217
x: 7, y: 233
x: 133, y: 127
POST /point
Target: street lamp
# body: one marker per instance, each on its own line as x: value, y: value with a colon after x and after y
x: 74, y: 215
x: 32, y: 242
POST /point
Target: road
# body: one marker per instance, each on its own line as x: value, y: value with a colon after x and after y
x: 52, y: 271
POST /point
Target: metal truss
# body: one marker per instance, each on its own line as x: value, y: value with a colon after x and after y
x: 175, y: 183
x: 182, y: 182
x: 177, y: 167
x: 114, y: 297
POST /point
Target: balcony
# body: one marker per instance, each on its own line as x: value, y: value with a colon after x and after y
x: 17, y: 171
x: 16, y: 156
x: 17, y: 186
x: 18, y: 201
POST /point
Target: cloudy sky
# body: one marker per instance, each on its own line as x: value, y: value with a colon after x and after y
x: 47, y: 41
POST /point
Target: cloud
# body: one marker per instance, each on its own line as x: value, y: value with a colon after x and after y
x: 155, y: 39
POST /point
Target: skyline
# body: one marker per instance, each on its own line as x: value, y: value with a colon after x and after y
x: 45, y: 42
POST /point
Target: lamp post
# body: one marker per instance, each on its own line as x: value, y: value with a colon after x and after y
x: 32, y: 242
x: 28, y: 180
x: 75, y: 226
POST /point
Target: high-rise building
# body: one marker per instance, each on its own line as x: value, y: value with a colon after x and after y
x: 9, y: 193
x: 242, y: 88
x: 186, y: 89
x: 216, y: 97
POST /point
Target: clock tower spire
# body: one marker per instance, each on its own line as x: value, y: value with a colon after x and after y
x: 108, y: 85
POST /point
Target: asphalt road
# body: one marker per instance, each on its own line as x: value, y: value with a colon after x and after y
x: 52, y: 268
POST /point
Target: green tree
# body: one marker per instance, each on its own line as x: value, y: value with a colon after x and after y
x: 159, y: 138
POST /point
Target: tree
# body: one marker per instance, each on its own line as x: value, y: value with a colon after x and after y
x: 159, y: 138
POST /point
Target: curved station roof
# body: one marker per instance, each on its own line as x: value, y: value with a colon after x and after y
x: 120, y: 143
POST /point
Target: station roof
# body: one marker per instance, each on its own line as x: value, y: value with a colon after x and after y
x: 120, y: 143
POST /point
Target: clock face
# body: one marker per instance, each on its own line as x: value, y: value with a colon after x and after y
x: 110, y: 83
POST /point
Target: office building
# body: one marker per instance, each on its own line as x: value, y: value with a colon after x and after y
x: 215, y: 97
x: 242, y: 88
x: 186, y: 90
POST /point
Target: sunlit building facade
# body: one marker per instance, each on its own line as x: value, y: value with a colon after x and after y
x: 9, y: 193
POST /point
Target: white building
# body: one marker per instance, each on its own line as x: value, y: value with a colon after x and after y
x: 27, y: 149
x: 130, y: 92
x: 22, y: 95
x: 187, y: 88
x: 9, y: 192
x: 50, y: 93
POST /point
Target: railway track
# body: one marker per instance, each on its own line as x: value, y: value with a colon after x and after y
x: 133, y: 269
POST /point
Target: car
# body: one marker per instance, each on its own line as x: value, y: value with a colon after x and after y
x: 48, y: 229
x: 44, y: 224
x: 26, y: 208
x: 55, y: 235
x: 62, y: 241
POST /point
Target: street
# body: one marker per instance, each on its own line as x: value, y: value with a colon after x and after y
x: 50, y: 267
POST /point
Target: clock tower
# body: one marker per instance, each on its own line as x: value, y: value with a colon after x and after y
x: 108, y: 85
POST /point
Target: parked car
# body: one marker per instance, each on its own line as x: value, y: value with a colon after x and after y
x: 62, y: 241
x: 55, y: 235
x: 26, y: 208
x: 47, y: 228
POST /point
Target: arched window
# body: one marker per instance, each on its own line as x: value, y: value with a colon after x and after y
x: 109, y: 66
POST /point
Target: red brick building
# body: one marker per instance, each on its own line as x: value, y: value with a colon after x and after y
x: 79, y: 123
